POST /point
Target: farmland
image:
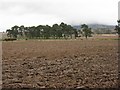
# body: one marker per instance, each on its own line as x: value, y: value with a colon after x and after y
x: 78, y: 63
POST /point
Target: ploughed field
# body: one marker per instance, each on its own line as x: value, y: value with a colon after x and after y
x: 60, y: 64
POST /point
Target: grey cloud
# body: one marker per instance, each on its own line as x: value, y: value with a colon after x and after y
x: 70, y: 11
x: 31, y: 7
x: 58, y: 8
x: 26, y: 7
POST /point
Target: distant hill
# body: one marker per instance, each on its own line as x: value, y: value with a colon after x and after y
x: 99, y: 28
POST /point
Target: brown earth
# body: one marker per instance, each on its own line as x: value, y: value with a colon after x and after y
x: 60, y: 64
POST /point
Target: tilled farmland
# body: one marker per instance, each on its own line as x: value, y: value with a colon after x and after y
x: 60, y: 64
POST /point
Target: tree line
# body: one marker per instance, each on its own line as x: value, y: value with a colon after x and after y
x: 117, y: 28
x: 48, y: 32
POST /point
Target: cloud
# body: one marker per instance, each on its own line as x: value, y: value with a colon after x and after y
x: 34, y: 12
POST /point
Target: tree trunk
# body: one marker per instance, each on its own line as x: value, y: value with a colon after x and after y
x: 86, y: 36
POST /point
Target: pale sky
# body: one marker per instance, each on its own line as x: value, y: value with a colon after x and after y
x: 42, y: 12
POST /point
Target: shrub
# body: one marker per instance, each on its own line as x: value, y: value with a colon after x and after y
x: 9, y: 39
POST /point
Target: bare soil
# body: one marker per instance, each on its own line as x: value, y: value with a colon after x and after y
x: 60, y: 64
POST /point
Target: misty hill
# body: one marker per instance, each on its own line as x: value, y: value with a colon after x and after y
x: 99, y: 28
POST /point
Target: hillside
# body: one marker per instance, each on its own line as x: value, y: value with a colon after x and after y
x: 99, y: 28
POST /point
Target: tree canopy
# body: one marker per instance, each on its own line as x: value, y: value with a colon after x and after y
x: 56, y: 31
x: 42, y: 31
x: 86, y: 31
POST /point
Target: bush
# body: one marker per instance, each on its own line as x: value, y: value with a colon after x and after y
x: 9, y: 39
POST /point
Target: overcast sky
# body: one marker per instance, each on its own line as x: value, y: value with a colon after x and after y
x: 36, y: 12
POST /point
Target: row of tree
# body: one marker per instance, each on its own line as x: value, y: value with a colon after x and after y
x: 46, y: 32
x: 117, y: 28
